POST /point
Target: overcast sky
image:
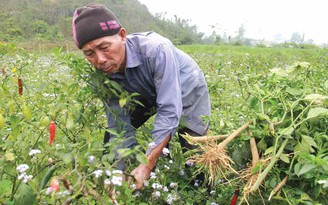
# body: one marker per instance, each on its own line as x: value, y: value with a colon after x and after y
x: 262, y: 19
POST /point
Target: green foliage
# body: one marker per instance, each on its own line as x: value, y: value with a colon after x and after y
x: 283, y: 90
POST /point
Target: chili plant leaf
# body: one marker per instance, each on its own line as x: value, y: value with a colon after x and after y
x: 317, y: 111
x: 306, y: 168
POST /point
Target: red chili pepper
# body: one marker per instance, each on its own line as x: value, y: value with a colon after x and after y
x: 52, y: 132
x: 20, y: 85
x: 235, y: 197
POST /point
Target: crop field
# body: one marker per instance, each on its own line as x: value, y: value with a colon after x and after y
x: 273, y: 102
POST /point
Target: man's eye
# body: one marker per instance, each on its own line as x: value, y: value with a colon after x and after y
x: 104, y: 47
x: 88, y: 54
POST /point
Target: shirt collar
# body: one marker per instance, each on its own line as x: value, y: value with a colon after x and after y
x: 131, y: 56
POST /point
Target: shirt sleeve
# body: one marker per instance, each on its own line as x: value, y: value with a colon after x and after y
x: 168, y: 89
x: 122, y: 133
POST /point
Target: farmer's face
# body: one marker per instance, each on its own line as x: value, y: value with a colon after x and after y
x: 107, y: 53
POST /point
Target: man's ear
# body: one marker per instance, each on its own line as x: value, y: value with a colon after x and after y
x: 122, y: 33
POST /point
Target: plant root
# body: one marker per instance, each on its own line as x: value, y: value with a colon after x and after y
x: 214, y: 159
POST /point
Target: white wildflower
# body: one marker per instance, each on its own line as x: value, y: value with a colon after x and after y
x: 133, y: 186
x: 117, y: 180
x: 152, y: 175
x: 169, y: 199
x: 173, y: 184
x: 108, y: 173
x: 189, y: 163
x: 171, y: 161
x: 151, y: 145
x: 166, y: 167
x: 107, y: 181
x: 182, y: 172
x: 91, y: 159
x: 156, y: 186
x: 34, y: 151
x: 98, y: 173
x: 165, y: 189
x: 49, y: 190
x: 24, y: 177
x: 22, y: 168
x: 196, y: 183
x: 117, y: 172
x: 166, y: 151
x: 156, y: 194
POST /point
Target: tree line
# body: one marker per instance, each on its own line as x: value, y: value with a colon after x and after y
x: 50, y: 20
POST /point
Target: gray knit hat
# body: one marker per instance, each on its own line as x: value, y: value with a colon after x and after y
x: 93, y: 21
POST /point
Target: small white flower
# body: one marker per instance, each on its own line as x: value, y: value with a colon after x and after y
x: 182, y: 172
x: 171, y: 161
x: 117, y: 172
x: 24, y: 177
x: 133, y: 186
x: 156, y: 186
x: 166, y: 167
x: 156, y: 194
x: 108, y: 173
x: 48, y: 191
x: 146, y: 183
x: 189, y: 163
x: 21, y: 176
x: 166, y: 151
x: 165, y: 189
x: 107, y: 181
x: 98, y: 173
x: 151, y: 145
x: 34, y: 151
x: 152, y: 175
x: 173, y: 184
x: 22, y: 168
x: 213, y: 203
x: 117, y: 180
x: 196, y: 183
x: 91, y: 159
x: 169, y: 199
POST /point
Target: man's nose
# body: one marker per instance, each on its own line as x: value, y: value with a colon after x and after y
x: 101, y: 57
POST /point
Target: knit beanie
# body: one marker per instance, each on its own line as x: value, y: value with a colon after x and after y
x: 93, y: 21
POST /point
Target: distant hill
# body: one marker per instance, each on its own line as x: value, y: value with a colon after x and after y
x: 50, y: 20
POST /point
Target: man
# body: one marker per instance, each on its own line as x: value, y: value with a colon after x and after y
x: 166, y: 79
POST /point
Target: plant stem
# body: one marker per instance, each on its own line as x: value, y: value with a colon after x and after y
x: 225, y: 142
x: 200, y: 139
x: 269, y: 167
x: 254, y: 150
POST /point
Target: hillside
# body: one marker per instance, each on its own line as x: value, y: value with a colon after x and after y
x: 50, y: 20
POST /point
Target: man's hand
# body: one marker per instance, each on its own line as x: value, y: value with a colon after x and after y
x: 141, y: 173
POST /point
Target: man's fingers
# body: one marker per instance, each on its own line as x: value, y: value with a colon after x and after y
x: 130, y: 179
